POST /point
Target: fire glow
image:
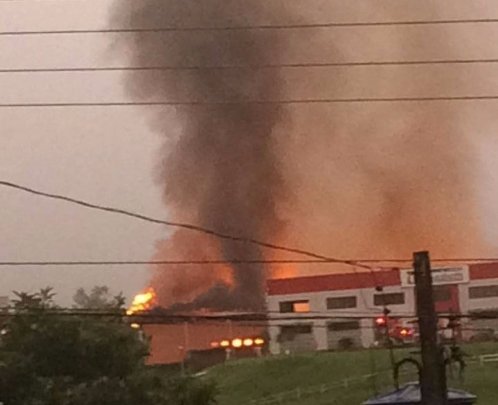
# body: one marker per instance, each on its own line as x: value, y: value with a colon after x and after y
x: 142, y: 302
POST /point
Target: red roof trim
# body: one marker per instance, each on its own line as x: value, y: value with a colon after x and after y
x: 359, y: 280
x: 334, y: 282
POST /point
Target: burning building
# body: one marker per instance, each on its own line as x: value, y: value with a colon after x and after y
x: 176, y: 343
x: 335, y: 311
x: 176, y: 337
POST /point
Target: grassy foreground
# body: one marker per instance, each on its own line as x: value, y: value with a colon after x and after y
x: 334, y: 378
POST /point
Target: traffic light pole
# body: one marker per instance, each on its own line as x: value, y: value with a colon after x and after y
x: 433, y: 375
x: 389, y: 343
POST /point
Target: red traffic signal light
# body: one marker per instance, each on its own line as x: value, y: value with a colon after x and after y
x: 381, y: 321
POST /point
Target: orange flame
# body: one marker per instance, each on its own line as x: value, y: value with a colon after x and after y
x: 142, y: 302
x: 284, y: 272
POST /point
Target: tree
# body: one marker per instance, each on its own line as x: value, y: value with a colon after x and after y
x: 54, y: 357
x: 31, y: 301
x: 46, y: 296
x: 98, y: 298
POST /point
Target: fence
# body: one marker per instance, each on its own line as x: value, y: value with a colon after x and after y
x: 487, y: 358
x: 299, y: 393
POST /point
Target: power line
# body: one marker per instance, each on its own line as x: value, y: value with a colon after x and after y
x: 249, y: 27
x: 180, y: 225
x: 268, y: 319
x: 103, y: 263
x: 216, y: 316
x: 248, y: 102
x: 156, y: 262
x: 242, y: 67
x: 161, y: 262
x: 235, y: 315
x: 195, y: 228
x: 181, y: 317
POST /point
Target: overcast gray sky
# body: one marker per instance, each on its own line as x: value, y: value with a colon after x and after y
x: 108, y: 155
x: 101, y: 155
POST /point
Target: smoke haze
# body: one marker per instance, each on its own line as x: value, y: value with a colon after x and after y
x: 343, y: 180
x: 223, y: 172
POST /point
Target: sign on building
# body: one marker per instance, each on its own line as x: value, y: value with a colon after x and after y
x: 440, y: 276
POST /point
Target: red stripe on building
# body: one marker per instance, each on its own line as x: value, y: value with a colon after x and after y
x: 354, y: 281
x: 333, y: 282
x: 483, y: 271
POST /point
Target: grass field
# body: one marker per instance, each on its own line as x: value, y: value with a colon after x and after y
x: 334, y: 378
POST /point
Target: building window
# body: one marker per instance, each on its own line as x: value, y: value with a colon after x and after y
x: 341, y: 302
x: 289, y: 333
x: 301, y: 306
x: 342, y: 326
x: 441, y: 293
x: 389, y: 299
x: 296, y: 329
x: 487, y: 291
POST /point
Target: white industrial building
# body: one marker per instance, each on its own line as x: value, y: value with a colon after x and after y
x: 329, y: 311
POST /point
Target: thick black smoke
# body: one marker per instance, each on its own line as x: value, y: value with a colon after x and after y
x: 370, y: 179
x: 222, y: 171
x: 220, y: 296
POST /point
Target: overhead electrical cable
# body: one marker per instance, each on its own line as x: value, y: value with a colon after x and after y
x: 73, y: 263
x: 181, y: 225
x: 203, y: 29
x: 249, y: 102
x: 247, y: 67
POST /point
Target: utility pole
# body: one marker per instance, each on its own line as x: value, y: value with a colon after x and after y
x: 389, y: 341
x: 433, y: 376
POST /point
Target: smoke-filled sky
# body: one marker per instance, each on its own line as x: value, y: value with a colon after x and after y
x: 357, y: 177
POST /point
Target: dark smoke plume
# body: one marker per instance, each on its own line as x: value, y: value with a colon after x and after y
x: 354, y: 180
x: 218, y: 296
x: 222, y: 171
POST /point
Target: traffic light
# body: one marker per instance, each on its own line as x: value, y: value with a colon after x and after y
x: 381, y: 321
